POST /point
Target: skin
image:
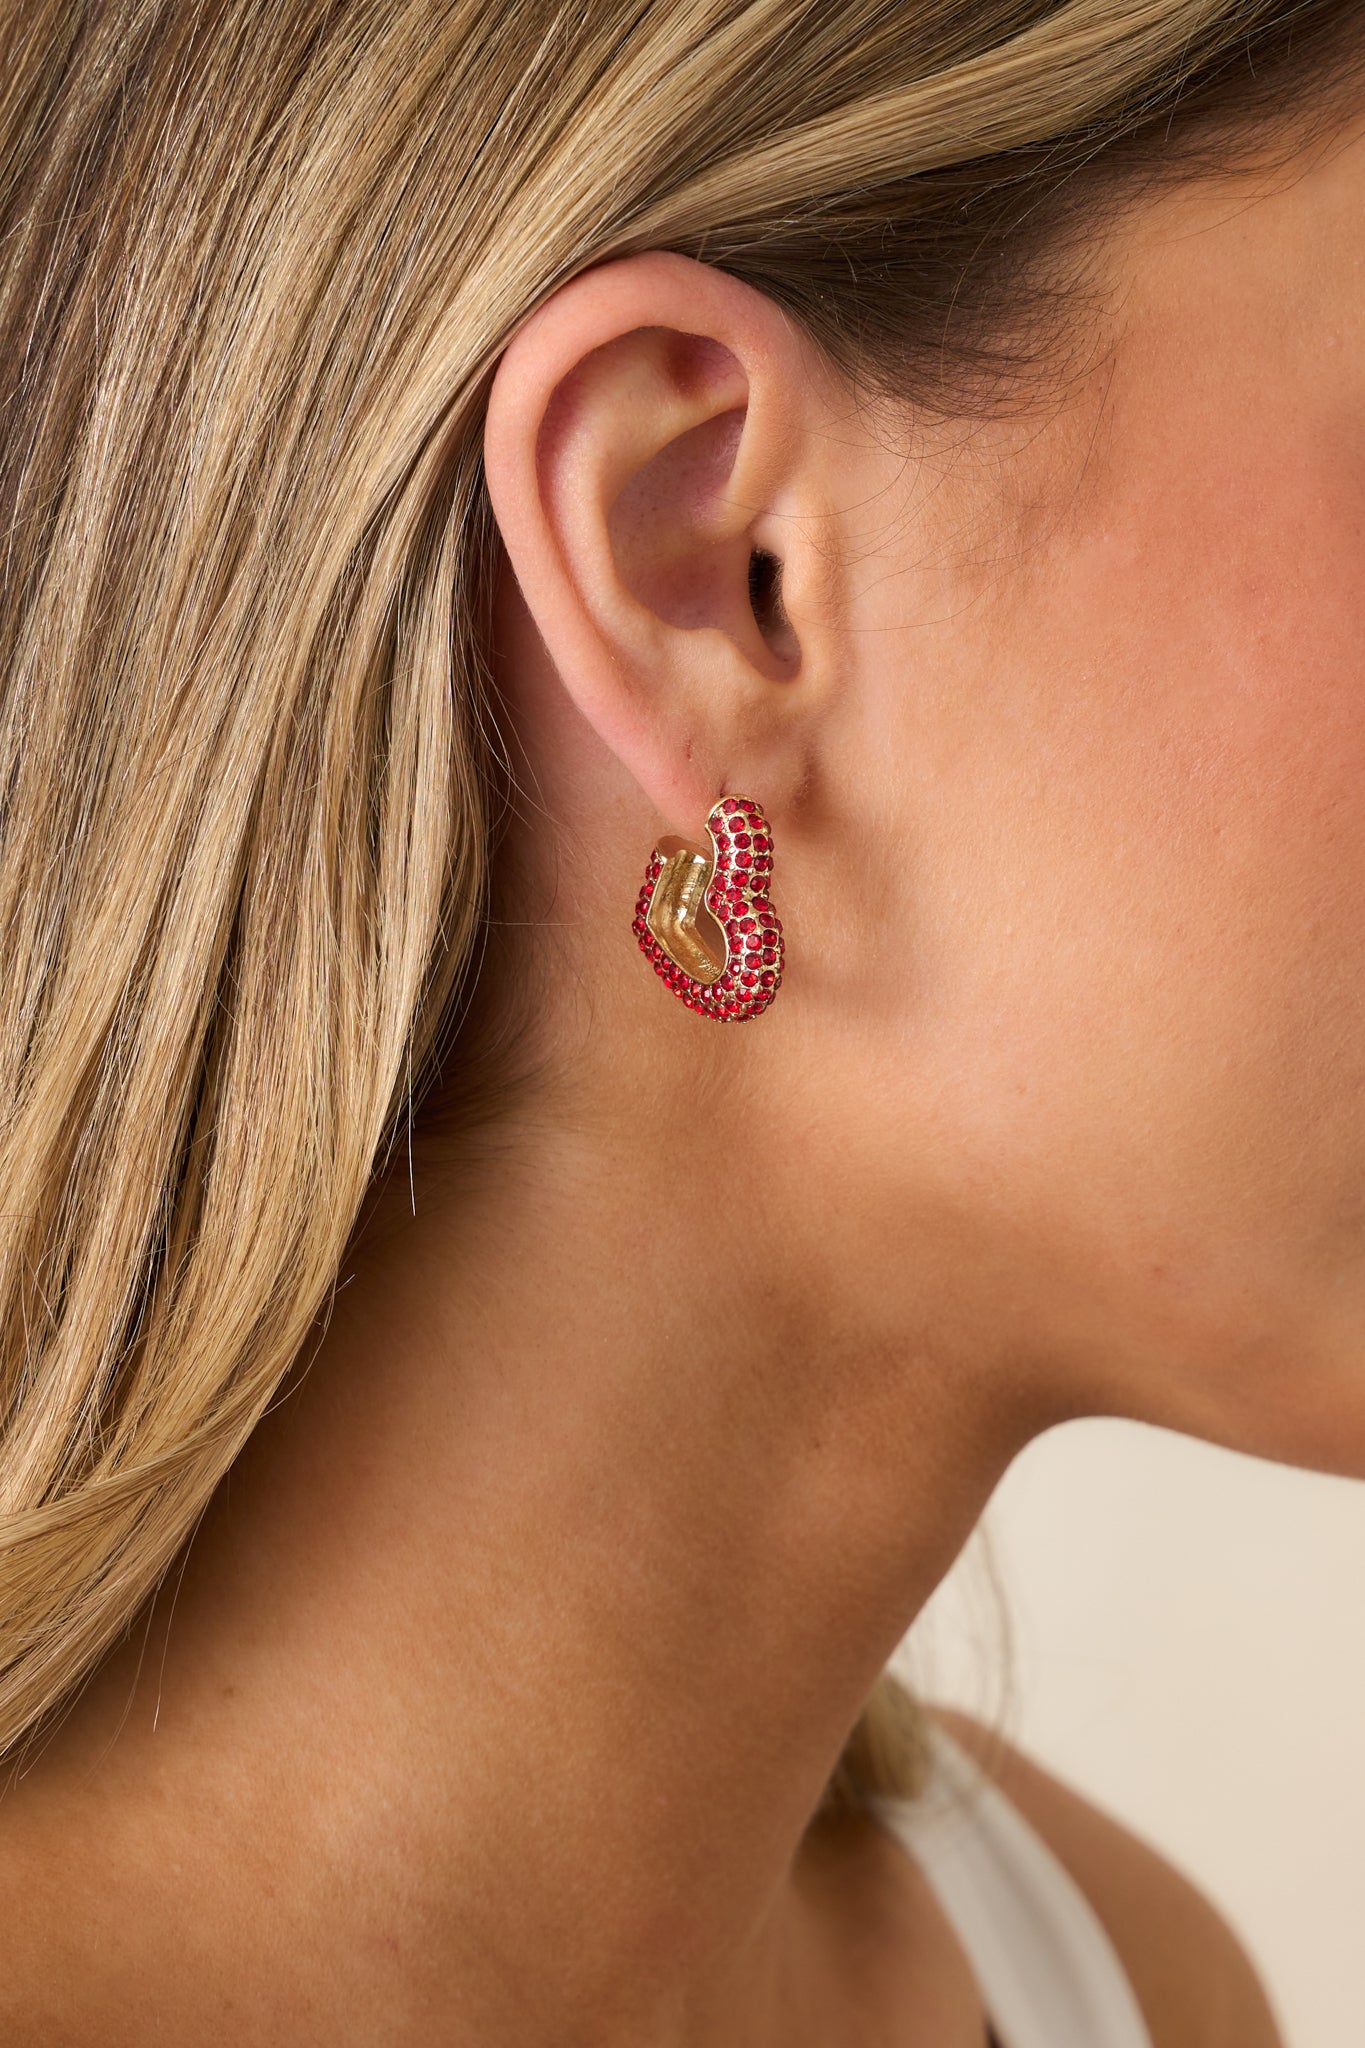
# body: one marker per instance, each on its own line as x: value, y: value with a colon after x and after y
x: 506, y: 1672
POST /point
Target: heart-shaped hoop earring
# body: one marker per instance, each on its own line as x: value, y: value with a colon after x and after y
x: 705, y: 921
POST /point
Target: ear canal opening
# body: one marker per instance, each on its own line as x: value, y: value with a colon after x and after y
x: 765, y: 589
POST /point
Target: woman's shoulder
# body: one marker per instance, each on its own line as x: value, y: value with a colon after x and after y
x: 1192, y: 1976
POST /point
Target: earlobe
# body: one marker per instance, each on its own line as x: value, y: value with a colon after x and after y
x: 644, y: 445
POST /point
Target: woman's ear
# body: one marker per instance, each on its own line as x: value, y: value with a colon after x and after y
x: 664, y: 495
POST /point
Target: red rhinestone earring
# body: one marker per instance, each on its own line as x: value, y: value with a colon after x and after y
x: 705, y: 921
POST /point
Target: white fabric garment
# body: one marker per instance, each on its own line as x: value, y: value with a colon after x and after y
x: 1048, y: 1974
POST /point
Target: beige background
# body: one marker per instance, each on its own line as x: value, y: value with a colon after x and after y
x: 1188, y: 1650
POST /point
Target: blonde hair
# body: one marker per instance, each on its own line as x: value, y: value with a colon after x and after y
x: 260, y: 261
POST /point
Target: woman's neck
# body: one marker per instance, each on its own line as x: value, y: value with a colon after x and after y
x: 527, y: 1630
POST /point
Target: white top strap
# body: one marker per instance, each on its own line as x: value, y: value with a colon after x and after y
x: 1048, y: 1973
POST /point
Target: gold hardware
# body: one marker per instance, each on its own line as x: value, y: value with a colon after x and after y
x: 678, y: 916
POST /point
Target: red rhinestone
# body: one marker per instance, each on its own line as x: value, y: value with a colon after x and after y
x: 768, y: 980
x: 743, y: 860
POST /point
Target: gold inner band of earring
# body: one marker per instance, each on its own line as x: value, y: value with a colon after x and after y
x: 678, y: 916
